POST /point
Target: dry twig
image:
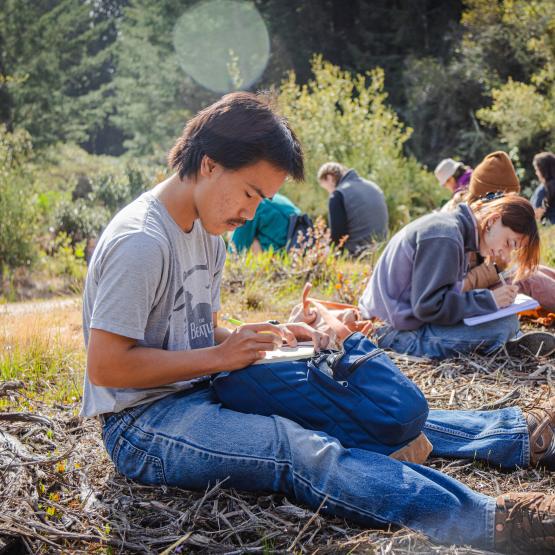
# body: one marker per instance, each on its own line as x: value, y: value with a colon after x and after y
x: 59, y: 492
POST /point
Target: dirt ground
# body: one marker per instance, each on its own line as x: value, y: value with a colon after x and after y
x: 59, y: 492
x: 34, y: 307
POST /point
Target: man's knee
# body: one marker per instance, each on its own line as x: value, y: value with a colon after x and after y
x: 406, y: 421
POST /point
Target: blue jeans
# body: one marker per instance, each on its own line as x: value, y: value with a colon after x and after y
x: 435, y: 341
x: 189, y: 440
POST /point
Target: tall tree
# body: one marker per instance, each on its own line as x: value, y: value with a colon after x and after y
x: 502, y: 50
x: 56, y: 66
x: 153, y: 92
x: 399, y: 36
x: 358, y: 35
x: 523, y: 107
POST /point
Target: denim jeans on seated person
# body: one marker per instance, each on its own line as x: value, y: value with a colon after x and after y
x: 189, y: 440
x: 439, y: 342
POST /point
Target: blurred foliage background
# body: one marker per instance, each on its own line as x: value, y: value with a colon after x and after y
x: 92, y: 95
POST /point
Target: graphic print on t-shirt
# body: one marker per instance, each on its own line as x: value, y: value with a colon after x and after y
x: 194, y: 298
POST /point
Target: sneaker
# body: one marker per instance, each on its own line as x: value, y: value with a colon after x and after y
x: 535, y: 343
x: 525, y: 523
x: 541, y: 427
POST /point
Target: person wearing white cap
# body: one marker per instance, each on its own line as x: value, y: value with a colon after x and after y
x: 455, y: 176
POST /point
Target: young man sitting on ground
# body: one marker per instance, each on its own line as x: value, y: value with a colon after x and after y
x: 153, y: 340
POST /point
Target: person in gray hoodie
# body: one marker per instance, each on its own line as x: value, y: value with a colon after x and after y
x: 416, y: 286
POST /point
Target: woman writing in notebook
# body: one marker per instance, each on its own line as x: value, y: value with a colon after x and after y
x: 416, y: 286
x: 496, y: 174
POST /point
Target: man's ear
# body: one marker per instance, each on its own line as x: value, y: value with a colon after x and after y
x: 207, y: 166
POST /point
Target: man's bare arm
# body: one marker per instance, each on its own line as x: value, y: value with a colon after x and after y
x: 220, y: 333
x: 117, y: 361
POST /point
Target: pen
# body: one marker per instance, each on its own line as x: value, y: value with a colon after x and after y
x: 501, y: 277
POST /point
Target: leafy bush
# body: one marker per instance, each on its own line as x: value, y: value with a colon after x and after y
x: 109, y: 191
x: 80, y: 220
x: 64, y: 167
x: 84, y: 218
x: 272, y: 281
x: 520, y: 113
x: 547, y: 235
x: 344, y: 117
x: 17, y: 215
x: 65, y: 261
x: 115, y: 190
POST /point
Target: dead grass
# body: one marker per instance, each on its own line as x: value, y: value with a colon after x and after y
x: 42, y: 344
x: 59, y: 492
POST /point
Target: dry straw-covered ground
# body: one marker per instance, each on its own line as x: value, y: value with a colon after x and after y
x: 59, y: 492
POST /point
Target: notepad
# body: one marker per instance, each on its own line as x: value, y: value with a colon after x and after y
x: 522, y: 303
x: 301, y: 351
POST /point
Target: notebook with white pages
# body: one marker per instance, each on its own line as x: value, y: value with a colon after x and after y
x: 522, y: 303
x: 301, y: 351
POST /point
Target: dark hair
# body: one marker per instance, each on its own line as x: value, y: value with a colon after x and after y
x: 544, y: 162
x: 460, y: 171
x: 238, y: 130
x: 518, y: 214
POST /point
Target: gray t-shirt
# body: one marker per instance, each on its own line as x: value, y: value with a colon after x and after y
x: 150, y: 281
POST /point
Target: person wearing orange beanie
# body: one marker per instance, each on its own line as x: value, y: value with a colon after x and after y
x: 495, y: 173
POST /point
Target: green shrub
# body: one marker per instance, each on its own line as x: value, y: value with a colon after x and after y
x: 17, y: 211
x: 273, y: 281
x: 522, y: 76
x: 547, y: 235
x: 77, y: 192
x: 520, y: 113
x: 344, y: 117
x: 61, y: 269
x: 84, y: 217
x: 68, y: 261
x: 62, y: 167
x: 115, y: 190
x: 80, y: 219
x: 110, y: 191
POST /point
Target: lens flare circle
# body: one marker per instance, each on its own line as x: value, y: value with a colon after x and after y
x: 222, y: 44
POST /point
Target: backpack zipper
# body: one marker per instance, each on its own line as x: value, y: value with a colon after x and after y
x: 361, y: 360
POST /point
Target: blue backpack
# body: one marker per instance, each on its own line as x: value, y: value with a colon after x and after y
x: 357, y: 395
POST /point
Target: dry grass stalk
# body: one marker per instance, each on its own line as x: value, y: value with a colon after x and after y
x: 59, y: 493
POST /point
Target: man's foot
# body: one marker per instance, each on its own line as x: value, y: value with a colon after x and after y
x: 541, y: 427
x: 525, y: 523
x: 535, y: 343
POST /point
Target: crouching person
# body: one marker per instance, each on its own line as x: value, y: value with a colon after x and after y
x: 153, y: 340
